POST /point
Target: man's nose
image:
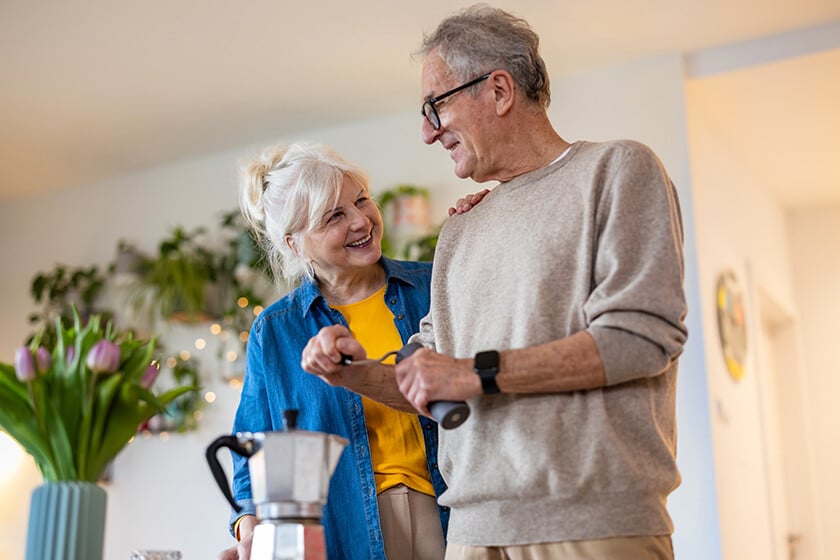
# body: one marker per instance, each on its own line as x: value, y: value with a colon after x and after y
x: 430, y: 135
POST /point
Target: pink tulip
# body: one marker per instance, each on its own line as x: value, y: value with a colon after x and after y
x: 150, y: 375
x: 24, y: 364
x: 104, y: 357
x: 43, y: 359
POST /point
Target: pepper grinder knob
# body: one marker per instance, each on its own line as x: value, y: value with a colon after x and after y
x: 290, y: 417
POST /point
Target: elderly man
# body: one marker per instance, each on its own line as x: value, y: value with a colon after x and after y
x: 557, y: 312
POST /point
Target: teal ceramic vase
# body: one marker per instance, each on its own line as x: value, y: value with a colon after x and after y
x: 66, y: 521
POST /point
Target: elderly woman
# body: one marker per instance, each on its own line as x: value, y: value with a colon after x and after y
x: 312, y: 211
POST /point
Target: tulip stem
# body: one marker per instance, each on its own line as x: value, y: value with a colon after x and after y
x: 39, y: 418
x: 84, y: 429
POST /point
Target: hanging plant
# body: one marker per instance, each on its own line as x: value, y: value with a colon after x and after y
x: 178, y: 277
x: 61, y: 291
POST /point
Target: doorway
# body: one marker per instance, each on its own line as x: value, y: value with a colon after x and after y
x: 785, y: 442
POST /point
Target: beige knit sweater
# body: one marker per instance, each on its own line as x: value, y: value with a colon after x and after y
x: 592, y: 242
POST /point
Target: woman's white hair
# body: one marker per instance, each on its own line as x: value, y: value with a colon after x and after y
x: 285, y: 191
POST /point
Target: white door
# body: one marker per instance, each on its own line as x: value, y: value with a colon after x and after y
x: 760, y: 443
x: 786, y: 442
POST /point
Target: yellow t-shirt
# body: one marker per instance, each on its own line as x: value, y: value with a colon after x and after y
x: 397, y: 448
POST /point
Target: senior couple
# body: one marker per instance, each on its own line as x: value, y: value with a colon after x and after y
x: 565, y: 279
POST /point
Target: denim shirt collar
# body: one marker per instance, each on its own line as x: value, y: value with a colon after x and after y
x: 395, y: 271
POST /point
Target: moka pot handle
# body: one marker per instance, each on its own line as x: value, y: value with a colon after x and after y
x: 233, y: 443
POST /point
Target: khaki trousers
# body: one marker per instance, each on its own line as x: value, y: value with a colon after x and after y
x: 410, y: 525
x: 620, y: 548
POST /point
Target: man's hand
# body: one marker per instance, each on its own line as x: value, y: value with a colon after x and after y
x: 427, y: 376
x: 465, y: 204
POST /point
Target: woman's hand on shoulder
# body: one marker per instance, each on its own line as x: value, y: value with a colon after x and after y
x: 466, y: 203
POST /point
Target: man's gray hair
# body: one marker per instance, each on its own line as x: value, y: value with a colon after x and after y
x: 480, y: 39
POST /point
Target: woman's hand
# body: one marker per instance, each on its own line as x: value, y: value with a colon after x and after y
x: 322, y: 354
x: 465, y: 204
x: 322, y: 357
x: 242, y: 550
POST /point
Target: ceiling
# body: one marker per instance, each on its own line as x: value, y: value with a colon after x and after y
x: 96, y: 89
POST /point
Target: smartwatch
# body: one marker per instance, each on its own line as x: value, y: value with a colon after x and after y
x: 486, y: 365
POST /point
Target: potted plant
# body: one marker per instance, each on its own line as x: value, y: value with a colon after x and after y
x: 405, y: 212
x: 178, y: 277
x: 422, y: 248
x: 73, y: 406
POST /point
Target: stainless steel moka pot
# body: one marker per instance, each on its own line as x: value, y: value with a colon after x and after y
x: 290, y: 476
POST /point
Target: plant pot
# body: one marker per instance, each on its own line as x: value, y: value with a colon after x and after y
x: 67, y: 521
x: 406, y: 219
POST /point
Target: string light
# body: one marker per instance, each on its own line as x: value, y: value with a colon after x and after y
x: 235, y: 382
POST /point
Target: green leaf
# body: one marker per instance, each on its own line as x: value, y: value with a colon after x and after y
x: 159, y: 403
x: 139, y: 357
x: 10, y: 382
x: 17, y: 418
x: 62, y: 450
x: 103, y: 403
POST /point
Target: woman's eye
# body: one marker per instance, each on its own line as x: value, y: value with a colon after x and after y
x: 362, y: 201
x: 334, y: 217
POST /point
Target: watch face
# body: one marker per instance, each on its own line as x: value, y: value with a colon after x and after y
x: 488, y: 360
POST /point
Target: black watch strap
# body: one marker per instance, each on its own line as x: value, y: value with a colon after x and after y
x: 486, y: 365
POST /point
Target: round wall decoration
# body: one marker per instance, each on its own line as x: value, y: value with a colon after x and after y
x: 731, y: 319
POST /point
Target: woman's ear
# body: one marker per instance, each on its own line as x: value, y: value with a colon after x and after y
x: 290, y: 241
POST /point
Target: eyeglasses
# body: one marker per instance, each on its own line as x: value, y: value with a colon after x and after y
x: 430, y: 111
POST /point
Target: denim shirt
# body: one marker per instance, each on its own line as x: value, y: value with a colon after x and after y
x: 274, y: 382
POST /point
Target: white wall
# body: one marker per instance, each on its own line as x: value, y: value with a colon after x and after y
x: 162, y: 495
x: 815, y: 264
x: 788, y: 268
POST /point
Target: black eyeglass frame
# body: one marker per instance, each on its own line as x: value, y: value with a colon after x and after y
x: 429, y: 110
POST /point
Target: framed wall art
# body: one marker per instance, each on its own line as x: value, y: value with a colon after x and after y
x: 731, y: 322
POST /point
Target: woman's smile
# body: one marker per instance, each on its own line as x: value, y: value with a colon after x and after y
x: 361, y: 242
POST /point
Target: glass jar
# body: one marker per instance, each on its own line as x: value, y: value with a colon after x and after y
x: 155, y: 555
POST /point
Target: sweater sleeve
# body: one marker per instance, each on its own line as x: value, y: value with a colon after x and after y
x: 426, y: 334
x: 636, y: 309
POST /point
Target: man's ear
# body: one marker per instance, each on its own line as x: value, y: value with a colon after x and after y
x: 504, y: 90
